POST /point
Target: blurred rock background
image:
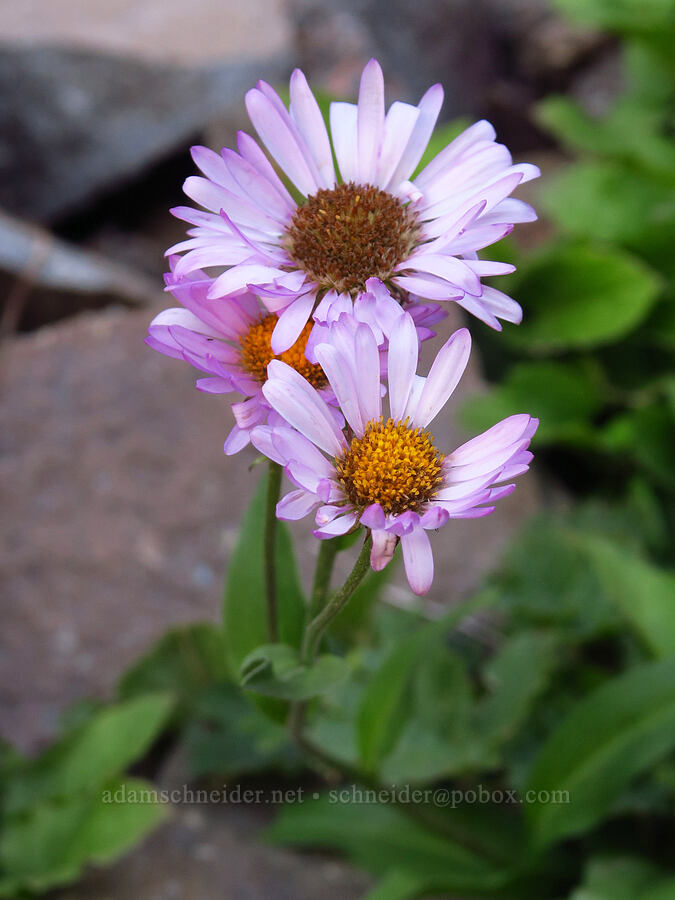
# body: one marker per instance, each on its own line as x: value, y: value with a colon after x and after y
x: 119, y: 507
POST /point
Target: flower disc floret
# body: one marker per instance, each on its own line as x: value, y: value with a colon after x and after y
x: 256, y: 352
x: 344, y: 235
x: 392, y: 464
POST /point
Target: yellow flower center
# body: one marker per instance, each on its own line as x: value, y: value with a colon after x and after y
x: 344, y: 235
x: 392, y: 464
x: 256, y: 352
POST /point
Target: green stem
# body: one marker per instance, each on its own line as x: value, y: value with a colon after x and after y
x: 270, y: 547
x: 324, y: 569
x: 322, y: 620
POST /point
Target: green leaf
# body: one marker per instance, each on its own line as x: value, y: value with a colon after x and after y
x: 437, y: 740
x: 664, y: 890
x: 493, y: 828
x: 184, y: 661
x: 276, y: 671
x: 449, y: 732
x: 398, y: 885
x: 633, y: 134
x: 381, y: 839
x: 229, y: 736
x: 515, y: 678
x: 579, y: 296
x: 647, y: 435
x: 102, y: 748
x: 563, y: 396
x: 547, y: 581
x: 443, y: 694
x: 609, y: 737
x: 633, y: 16
x: 615, y: 878
x: 422, y: 755
x: 574, y: 127
x: 386, y: 706
x: 650, y: 75
x: 49, y: 844
x: 608, y: 202
x: 644, y: 594
x: 382, y: 714
x: 245, y: 609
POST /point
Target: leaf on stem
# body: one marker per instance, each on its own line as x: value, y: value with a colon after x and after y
x: 276, y: 671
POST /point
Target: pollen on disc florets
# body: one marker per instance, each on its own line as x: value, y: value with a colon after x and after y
x: 344, y: 235
x: 256, y: 352
x: 393, y: 464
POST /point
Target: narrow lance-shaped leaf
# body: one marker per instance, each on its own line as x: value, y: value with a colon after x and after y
x: 644, y: 594
x: 383, y: 712
x: 383, y: 839
x: 49, y: 844
x: 102, y: 748
x: 608, y: 739
x: 245, y: 610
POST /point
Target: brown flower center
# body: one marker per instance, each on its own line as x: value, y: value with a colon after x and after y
x: 392, y: 464
x: 256, y: 352
x: 344, y: 235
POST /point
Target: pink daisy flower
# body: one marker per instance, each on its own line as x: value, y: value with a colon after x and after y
x: 384, y: 471
x: 230, y: 340
x: 368, y: 219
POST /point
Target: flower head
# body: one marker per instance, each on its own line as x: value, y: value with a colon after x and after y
x: 384, y: 470
x: 230, y: 339
x: 365, y: 220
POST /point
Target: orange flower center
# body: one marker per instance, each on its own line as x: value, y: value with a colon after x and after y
x: 256, y: 352
x: 392, y: 464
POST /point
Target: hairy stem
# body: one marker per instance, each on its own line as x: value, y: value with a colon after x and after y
x: 324, y: 569
x: 270, y: 548
x: 320, y: 617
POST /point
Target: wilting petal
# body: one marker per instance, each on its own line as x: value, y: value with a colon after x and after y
x: 296, y: 505
x: 382, y: 551
x: 418, y: 560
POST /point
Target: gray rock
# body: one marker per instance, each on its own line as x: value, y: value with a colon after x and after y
x: 43, y: 279
x: 75, y: 124
x: 433, y: 40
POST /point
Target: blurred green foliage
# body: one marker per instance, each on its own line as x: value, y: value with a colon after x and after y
x: 73, y: 806
x: 556, y: 729
x: 599, y: 298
